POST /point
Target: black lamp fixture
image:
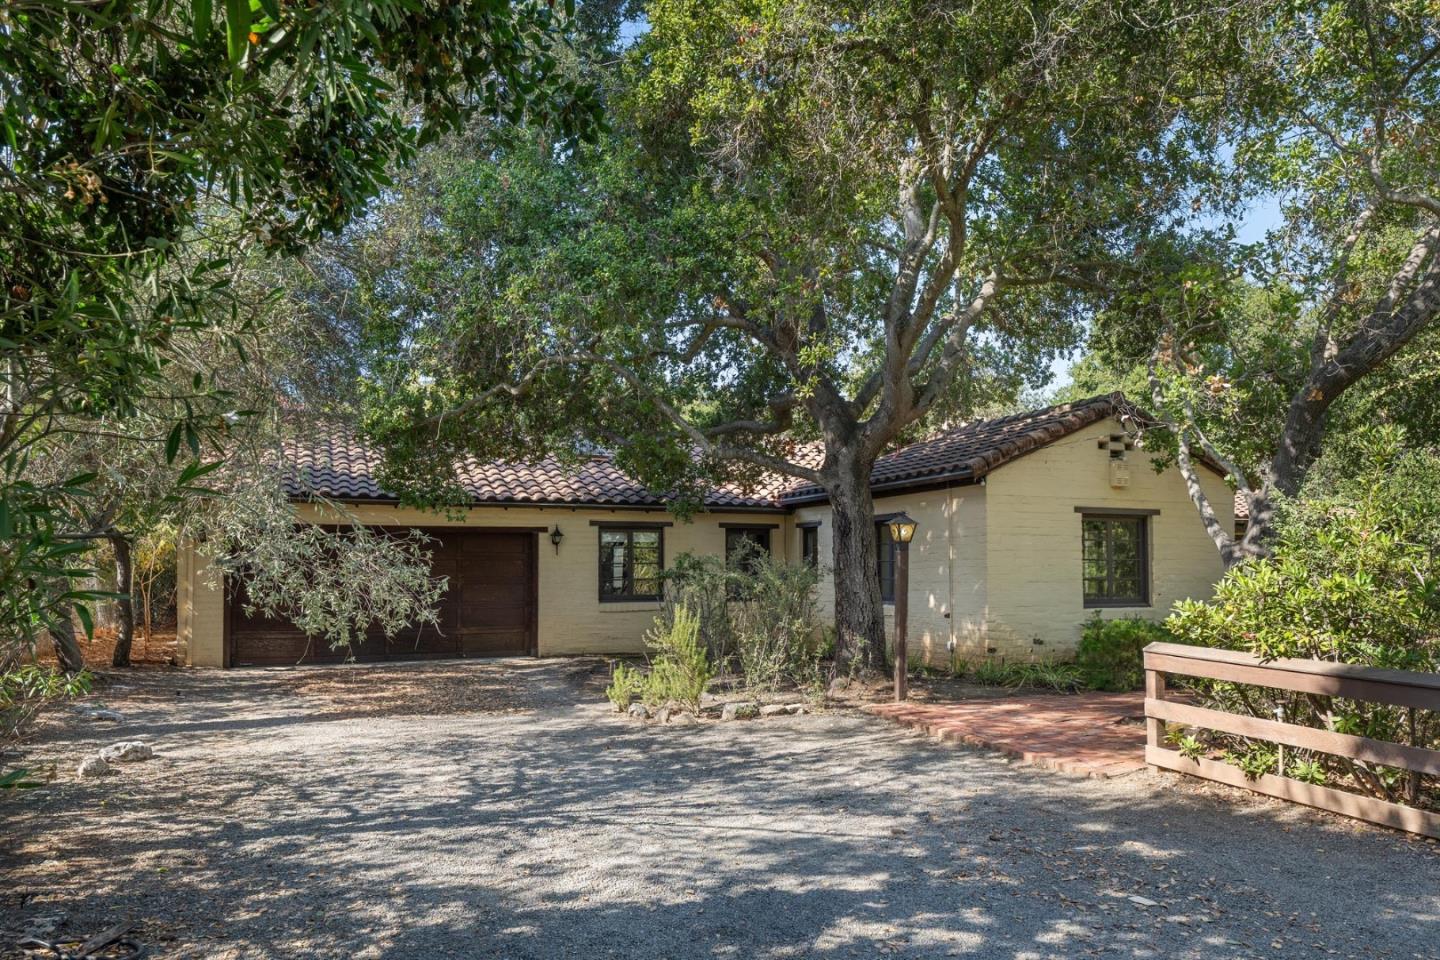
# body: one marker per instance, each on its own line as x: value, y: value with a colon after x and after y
x: 902, y: 528
x: 555, y: 537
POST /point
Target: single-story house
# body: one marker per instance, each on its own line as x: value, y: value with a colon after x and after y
x: 1028, y: 526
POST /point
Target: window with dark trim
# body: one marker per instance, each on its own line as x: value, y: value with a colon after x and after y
x: 745, y: 545
x: 885, y: 560
x: 1115, y: 559
x: 631, y: 559
x: 810, y: 546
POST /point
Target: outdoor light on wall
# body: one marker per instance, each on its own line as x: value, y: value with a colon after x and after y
x: 555, y: 537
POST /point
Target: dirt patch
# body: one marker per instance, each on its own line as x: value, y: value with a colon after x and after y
x: 418, y: 689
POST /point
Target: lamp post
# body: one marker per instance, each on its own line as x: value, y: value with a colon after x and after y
x: 902, y: 531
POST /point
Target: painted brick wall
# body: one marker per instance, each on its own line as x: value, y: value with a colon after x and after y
x: 572, y: 620
x: 1034, y: 540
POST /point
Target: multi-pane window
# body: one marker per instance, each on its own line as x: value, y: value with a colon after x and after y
x: 630, y: 562
x: 810, y: 546
x: 745, y: 545
x: 885, y: 560
x: 1115, y: 562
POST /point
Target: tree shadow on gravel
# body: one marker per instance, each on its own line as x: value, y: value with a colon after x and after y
x: 577, y: 834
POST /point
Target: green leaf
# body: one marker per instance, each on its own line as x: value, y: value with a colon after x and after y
x: 87, y: 619
x: 202, y: 12
x: 172, y: 442
x: 237, y: 30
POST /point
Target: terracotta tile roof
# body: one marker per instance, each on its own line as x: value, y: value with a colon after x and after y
x: 968, y: 452
x: 332, y: 463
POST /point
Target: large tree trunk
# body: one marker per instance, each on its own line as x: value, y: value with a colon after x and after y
x: 125, y: 605
x: 859, y: 615
x: 66, y: 643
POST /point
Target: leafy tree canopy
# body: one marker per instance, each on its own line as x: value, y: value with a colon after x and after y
x: 815, y: 220
x: 1332, y: 113
x: 146, y: 149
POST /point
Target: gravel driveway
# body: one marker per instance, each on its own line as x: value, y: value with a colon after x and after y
x: 499, y: 810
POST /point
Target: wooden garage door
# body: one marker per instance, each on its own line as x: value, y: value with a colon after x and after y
x: 488, y: 609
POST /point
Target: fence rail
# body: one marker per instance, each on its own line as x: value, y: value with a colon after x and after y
x: 1395, y: 687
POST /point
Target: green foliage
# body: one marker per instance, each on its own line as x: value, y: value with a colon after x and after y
x: 1189, y: 746
x: 679, y: 669
x: 1353, y: 579
x: 1255, y: 759
x: 627, y: 685
x: 1109, y: 657
x: 757, y: 615
x: 778, y: 639
x: 1039, y: 674
x: 1331, y: 111
x: 333, y: 581
x: 23, y: 691
x: 150, y: 151
x: 706, y: 584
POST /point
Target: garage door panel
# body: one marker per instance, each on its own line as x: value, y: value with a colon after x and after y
x: 487, y: 609
x: 491, y: 643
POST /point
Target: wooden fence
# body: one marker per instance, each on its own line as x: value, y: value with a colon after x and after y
x: 1395, y: 687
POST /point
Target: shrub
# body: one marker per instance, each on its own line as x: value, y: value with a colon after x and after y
x: 1042, y: 674
x: 679, y: 669
x: 627, y: 685
x: 25, y: 689
x: 1353, y: 579
x: 757, y: 616
x: 1109, y: 656
x: 705, y: 585
x: 777, y: 631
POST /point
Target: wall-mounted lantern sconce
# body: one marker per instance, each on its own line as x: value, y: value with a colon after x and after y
x: 555, y: 537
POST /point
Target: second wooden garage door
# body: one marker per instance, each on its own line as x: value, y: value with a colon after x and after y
x: 488, y: 609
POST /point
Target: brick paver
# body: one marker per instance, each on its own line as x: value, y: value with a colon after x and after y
x: 1083, y: 734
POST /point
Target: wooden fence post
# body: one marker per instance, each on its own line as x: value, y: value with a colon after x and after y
x: 1154, y: 690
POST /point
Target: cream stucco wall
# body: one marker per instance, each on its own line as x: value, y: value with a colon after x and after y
x: 994, y: 567
x: 947, y: 566
x: 572, y: 620
x: 1002, y: 558
x: 1033, y: 550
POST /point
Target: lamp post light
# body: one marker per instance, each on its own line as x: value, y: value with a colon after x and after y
x: 902, y: 531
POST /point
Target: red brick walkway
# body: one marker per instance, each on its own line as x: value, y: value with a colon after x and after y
x: 1083, y: 734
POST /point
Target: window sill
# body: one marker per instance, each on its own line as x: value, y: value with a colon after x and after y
x: 629, y: 606
x: 1119, y: 605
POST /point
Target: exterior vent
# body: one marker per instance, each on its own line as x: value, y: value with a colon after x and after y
x: 1119, y: 474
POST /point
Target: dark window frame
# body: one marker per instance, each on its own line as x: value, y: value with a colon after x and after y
x: 760, y: 534
x: 606, y: 570
x: 1140, y: 522
x: 810, y: 545
x: 885, y: 551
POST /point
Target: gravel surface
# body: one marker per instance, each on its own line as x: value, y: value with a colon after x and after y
x: 500, y: 810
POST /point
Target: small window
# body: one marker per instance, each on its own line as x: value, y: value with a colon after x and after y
x: 810, y: 546
x: 745, y: 545
x: 1116, y: 563
x: 885, y: 560
x: 631, y: 559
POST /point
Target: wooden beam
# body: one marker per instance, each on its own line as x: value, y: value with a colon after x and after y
x: 1295, y: 735
x: 1397, y: 687
x: 1369, y: 809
